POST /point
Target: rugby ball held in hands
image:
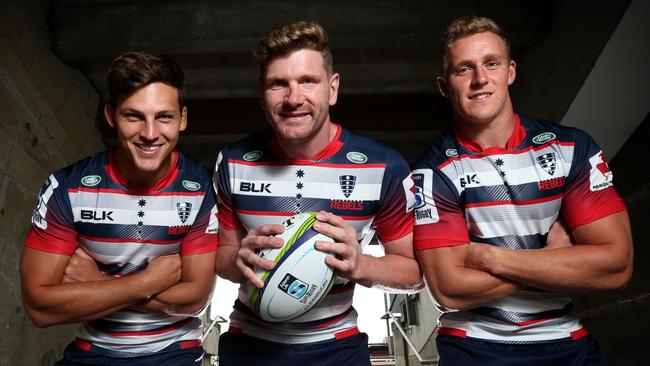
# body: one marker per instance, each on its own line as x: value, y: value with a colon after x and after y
x: 300, y: 278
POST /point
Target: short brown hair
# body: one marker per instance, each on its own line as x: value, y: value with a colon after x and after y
x: 133, y: 70
x: 466, y: 26
x: 292, y: 37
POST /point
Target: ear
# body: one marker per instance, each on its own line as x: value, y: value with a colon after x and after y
x: 183, y: 125
x: 512, y: 72
x: 109, y: 114
x: 442, y: 86
x: 334, y: 88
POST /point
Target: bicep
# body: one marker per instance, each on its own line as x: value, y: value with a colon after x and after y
x: 39, y: 268
x: 612, y: 230
x: 402, y: 246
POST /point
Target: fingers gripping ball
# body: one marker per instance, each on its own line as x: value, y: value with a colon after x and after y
x: 300, y: 278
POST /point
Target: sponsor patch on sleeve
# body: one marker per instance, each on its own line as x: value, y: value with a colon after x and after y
x: 409, y: 191
x: 424, y: 207
x: 213, y: 223
x: 600, y: 177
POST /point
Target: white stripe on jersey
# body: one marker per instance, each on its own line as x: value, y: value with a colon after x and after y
x: 530, y: 302
x: 517, y: 166
x: 508, y: 219
x: 123, y: 253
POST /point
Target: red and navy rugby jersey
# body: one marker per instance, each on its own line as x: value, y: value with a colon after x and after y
x: 355, y: 177
x: 509, y: 197
x: 89, y: 205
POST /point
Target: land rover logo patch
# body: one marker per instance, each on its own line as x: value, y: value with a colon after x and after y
x: 253, y: 155
x: 356, y: 157
x: 191, y: 186
x: 452, y: 153
x: 544, y: 137
x: 91, y: 180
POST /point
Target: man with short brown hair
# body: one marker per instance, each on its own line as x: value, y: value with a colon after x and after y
x: 488, y: 194
x: 302, y: 162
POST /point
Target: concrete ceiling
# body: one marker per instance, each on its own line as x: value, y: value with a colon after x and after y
x: 385, y: 51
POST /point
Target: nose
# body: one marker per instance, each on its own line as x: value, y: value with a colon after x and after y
x: 294, y: 96
x: 149, y: 131
x: 479, y: 77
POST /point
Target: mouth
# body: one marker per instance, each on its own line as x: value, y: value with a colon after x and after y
x: 480, y: 96
x: 294, y: 115
x: 146, y: 148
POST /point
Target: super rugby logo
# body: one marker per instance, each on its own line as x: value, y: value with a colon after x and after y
x: 347, y: 183
x: 183, y: 210
x: 425, y: 210
x: 547, y: 162
x: 293, y: 286
x: 420, y: 201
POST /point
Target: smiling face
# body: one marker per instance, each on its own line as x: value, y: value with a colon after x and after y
x: 477, y: 77
x: 147, y: 123
x: 296, y: 94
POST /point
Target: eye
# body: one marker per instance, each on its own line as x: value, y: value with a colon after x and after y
x: 276, y: 84
x: 166, y: 118
x: 492, y: 65
x: 463, y: 70
x: 133, y: 117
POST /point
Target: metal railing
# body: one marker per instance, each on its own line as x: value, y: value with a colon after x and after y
x: 422, y: 360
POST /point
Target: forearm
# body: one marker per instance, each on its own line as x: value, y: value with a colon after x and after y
x: 185, y: 298
x: 573, y: 269
x: 391, y: 271
x: 77, y: 302
x: 225, y: 264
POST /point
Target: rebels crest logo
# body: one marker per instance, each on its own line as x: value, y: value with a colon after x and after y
x: 347, y: 183
x: 547, y: 162
x: 183, y: 209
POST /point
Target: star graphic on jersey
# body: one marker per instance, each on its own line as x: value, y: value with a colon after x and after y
x: 298, y: 196
x: 140, y: 223
x: 142, y: 203
x: 499, y: 162
x: 300, y: 173
x: 141, y: 214
x: 503, y: 174
x: 299, y: 185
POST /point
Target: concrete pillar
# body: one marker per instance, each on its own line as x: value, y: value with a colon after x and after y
x: 47, y: 114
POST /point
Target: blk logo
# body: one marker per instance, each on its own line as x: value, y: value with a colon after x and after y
x: 96, y: 215
x: 255, y: 187
x: 468, y: 180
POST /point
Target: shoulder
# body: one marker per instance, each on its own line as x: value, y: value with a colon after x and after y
x: 191, y: 170
x: 540, y: 131
x: 442, y: 149
x: 250, y: 148
x: 360, y: 149
x: 87, y: 172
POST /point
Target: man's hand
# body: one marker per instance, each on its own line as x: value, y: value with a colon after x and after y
x: 558, y: 236
x: 345, y: 246
x: 82, y: 268
x: 164, y: 271
x: 256, y: 239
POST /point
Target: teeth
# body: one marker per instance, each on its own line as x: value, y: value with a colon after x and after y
x: 149, y: 147
x: 481, y: 96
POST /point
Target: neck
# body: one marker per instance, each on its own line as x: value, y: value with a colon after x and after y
x: 495, y: 132
x: 312, y: 145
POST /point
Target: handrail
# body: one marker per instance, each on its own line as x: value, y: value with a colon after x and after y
x: 217, y: 319
x: 432, y: 361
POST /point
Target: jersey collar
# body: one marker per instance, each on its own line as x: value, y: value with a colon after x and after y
x: 121, y: 180
x: 328, y: 151
x: 517, y: 136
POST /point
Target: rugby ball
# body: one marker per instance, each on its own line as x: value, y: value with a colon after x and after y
x: 300, y: 277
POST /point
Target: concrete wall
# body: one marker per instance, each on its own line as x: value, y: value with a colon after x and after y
x: 47, y: 113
